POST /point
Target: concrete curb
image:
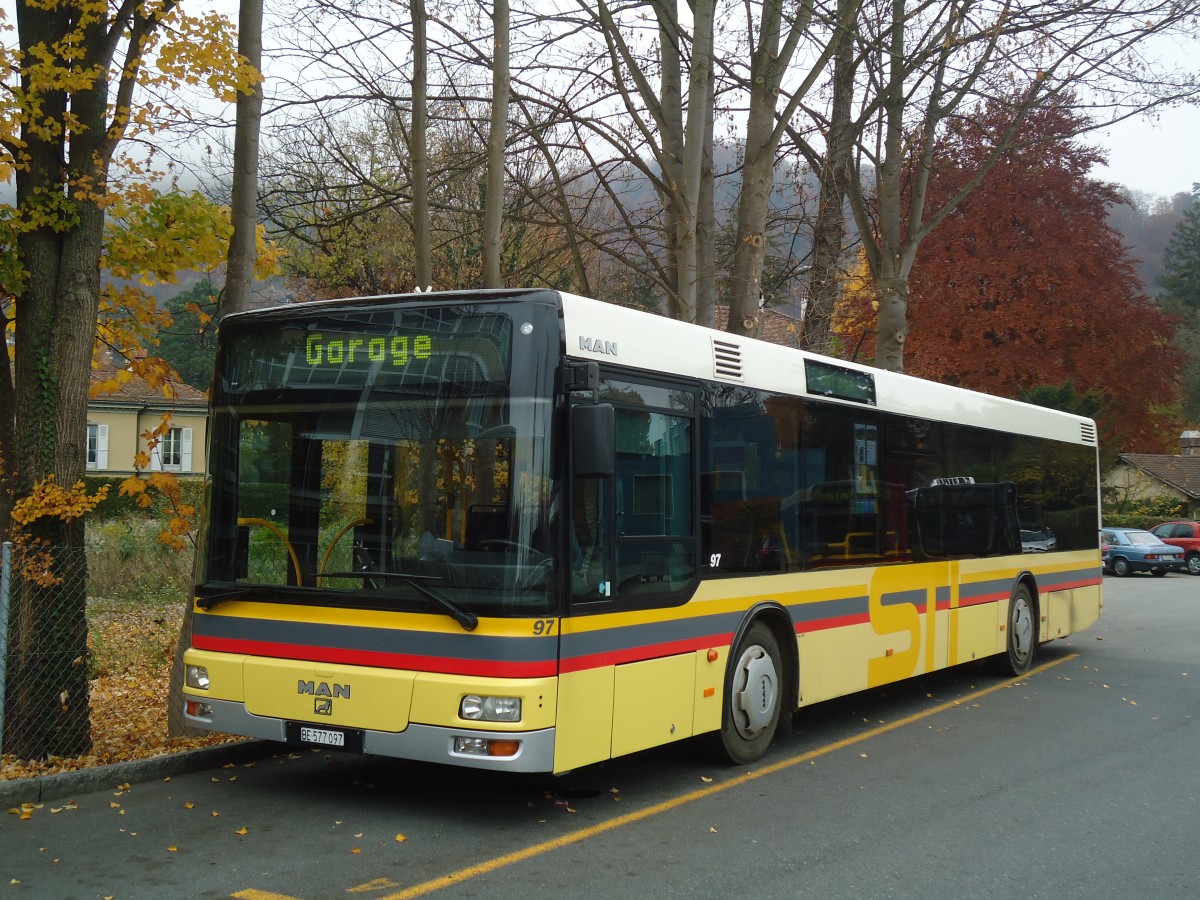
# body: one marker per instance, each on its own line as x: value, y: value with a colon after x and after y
x: 83, y: 781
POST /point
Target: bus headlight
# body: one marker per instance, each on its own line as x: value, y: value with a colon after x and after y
x: 197, y: 677
x: 490, y: 709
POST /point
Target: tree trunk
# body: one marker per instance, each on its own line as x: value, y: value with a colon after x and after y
x: 706, y: 250
x: 47, y: 704
x: 888, y: 255
x: 758, y: 176
x: 824, y: 285
x: 493, y: 212
x: 239, y: 275
x: 688, y: 188
x: 418, y: 150
x: 670, y: 99
x: 892, y: 323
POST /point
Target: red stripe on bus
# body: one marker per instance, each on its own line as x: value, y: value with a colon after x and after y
x: 807, y: 627
x: 981, y: 599
x: 646, y: 652
x: 440, y: 665
x: 1068, y: 585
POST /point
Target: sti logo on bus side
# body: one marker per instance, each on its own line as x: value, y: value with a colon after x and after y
x: 595, y: 345
x: 323, y: 689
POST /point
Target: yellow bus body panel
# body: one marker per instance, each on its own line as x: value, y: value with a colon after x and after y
x: 709, y: 691
x: 224, y: 674
x: 653, y: 703
x: 584, y: 732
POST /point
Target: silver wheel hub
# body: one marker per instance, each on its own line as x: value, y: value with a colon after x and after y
x: 755, y: 693
x: 1022, y: 628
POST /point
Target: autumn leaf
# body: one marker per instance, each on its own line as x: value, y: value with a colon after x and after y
x: 242, y: 830
x: 356, y: 850
x: 400, y: 839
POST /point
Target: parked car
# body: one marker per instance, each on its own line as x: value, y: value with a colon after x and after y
x: 1184, y: 534
x: 1136, y: 550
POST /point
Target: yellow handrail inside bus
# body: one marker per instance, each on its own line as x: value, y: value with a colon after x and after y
x: 278, y: 532
x: 333, y: 543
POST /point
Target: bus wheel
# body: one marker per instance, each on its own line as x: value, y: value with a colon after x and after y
x: 753, y: 697
x: 1022, y: 633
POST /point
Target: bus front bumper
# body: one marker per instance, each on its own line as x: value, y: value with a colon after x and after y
x: 534, y: 750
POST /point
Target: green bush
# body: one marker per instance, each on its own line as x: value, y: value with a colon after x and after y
x: 1141, y: 513
x: 114, y: 506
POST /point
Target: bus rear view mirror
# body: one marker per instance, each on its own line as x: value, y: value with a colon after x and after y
x: 593, y: 440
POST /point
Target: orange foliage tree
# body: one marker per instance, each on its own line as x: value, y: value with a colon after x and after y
x: 1025, y: 284
x: 84, y: 80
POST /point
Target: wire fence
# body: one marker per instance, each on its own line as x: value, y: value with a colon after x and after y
x: 44, y: 656
x: 86, y: 643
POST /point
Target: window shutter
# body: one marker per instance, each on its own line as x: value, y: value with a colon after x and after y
x: 185, y: 454
x: 101, y: 446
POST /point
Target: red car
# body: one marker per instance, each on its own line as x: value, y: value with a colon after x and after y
x: 1183, y: 534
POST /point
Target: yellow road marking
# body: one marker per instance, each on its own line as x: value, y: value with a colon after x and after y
x: 252, y: 894
x: 379, y: 884
x: 574, y: 837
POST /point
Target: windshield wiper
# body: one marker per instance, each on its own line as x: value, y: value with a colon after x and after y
x: 210, y: 600
x: 468, y: 620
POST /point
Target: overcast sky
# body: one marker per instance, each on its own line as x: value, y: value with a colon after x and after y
x: 1159, y: 156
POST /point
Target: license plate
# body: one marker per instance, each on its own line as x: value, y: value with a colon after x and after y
x: 347, y: 739
x: 321, y: 736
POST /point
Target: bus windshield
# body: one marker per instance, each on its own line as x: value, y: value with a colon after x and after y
x: 384, y: 459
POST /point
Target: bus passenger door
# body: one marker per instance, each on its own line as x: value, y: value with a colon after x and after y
x: 634, y: 549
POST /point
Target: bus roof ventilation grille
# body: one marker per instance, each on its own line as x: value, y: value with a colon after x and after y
x: 727, y: 360
x: 1087, y: 430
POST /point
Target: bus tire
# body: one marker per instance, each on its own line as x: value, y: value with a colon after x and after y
x: 753, y: 696
x: 1021, y: 633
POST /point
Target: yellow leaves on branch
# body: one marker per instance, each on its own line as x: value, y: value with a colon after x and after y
x: 47, y: 499
x: 203, y: 51
x: 165, y: 234
x: 50, y: 499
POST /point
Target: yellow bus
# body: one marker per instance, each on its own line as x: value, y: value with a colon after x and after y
x: 528, y: 531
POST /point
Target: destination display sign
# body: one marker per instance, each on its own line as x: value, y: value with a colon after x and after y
x: 408, y: 349
x: 341, y: 349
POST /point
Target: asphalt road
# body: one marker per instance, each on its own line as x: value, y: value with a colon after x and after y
x: 1076, y: 781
